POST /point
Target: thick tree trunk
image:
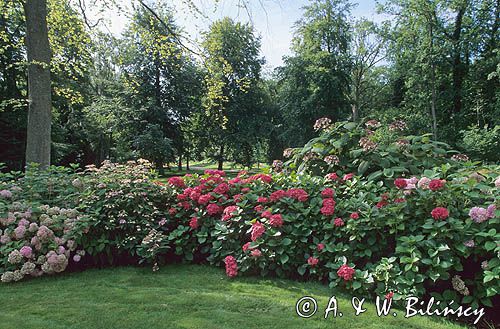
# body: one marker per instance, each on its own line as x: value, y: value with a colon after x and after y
x: 221, y: 157
x: 39, y: 90
x: 179, y: 163
x: 187, y: 161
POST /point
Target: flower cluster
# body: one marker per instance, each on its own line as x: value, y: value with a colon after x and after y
x: 45, y: 236
x: 322, y: 123
x: 346, y: 272
x: 398, y: 125
x: 440, y: 213
x: 367, y: 144
x: 479, y: 215
x: 231, y: 266
x: 332, y: 159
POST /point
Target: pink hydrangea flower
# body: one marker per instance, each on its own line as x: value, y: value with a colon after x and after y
x: 312, y: 261
x: 255, y: 253
x: 338, y: 222
x: 26, y: 251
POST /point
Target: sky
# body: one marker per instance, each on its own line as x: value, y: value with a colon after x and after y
x: 272, y: 19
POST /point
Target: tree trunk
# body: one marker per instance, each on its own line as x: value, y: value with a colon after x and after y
x: 187, y: 161
x: 458, y: 69
x: 39, y: 90
x: 221, y: 157
x: 433, y: 82
x: 160, y: 168
x: 355, y: 114
x: 179, y: 163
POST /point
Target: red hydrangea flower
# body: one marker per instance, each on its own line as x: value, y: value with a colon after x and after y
x: 436, y: 184
x: 255, y: 253
x: 222, y: 188
x: 440, y: 213
x: 277, y: 195
x: 338, y: 222
x: 195, y: 195
x: 177, y: 182
x: 327, y: 193
x: 229, y: 212
x: 297, y: 194
x: 266, y: 214
x: 399, y: 200
x: 320, y: 246
x: 213, y: 172
x: 263, y: 177
x: 354, y: 215
x: 348, y: 176
x: 172, y: 211
x: 262, y: 199
x: 245, y: 190
x: 237, y: 197
x: 258, y: 208
x: 213, y: 209
x: 312, y: 261
x: 231, y: 266
x: 205, y: 198
x: 328, y: 208
x: 382, y: 203
x: 234, y: 181
x: 185, y: 205
x: 276, y: 220
x: 332, y: 176
x: 181, y: 197
x: 346, y: 272
x: 246, y: 246
x: 400, y: 183
x: 193, y: 223
x: 257, y: 230
x: 389, y: 295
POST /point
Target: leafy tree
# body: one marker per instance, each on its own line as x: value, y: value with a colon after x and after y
x: 161, y: 80
x: 233, y: 100
x: 315, y: 81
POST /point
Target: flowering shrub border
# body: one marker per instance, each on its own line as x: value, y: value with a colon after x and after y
x: 435, y: 234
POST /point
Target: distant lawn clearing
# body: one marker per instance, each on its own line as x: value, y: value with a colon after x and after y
x: 178, y: 296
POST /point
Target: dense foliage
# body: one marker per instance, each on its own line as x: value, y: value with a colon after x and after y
x: 435, y: 233
x: 370, y: 149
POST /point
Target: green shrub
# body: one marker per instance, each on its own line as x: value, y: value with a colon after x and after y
x: 369, y: 149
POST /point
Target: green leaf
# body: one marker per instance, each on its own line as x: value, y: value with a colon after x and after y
x: 490, y: 245
x: 284, y: 258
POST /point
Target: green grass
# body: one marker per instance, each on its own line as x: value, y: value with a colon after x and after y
x: 178, y: 296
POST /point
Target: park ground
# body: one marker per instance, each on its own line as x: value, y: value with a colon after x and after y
x: 178, y: 296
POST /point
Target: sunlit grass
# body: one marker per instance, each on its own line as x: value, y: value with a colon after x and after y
x: 178, y: 296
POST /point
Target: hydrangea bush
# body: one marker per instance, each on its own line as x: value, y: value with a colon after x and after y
x: 434, y: 233
x: 370, y: 149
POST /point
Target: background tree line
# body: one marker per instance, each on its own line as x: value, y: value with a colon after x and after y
x: 433, y: 63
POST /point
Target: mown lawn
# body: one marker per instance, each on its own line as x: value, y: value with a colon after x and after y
x: 178, y: 296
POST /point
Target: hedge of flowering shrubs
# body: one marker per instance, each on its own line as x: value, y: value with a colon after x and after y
x: 431, y: 233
